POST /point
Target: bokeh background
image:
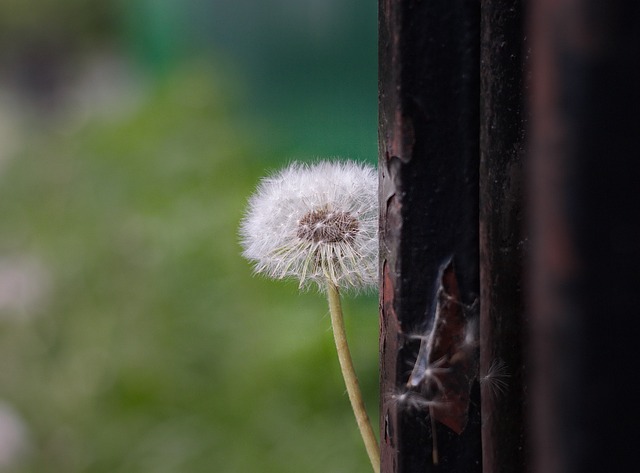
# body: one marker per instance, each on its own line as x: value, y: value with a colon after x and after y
x: 133, y: 337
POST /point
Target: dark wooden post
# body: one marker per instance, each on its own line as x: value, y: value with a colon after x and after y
x: 429, y: 157
x: 569, y: 171
x: 585, y: 234
x: 503, y: 241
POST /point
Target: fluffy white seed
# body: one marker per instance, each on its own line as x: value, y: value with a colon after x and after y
x: 315, y: 222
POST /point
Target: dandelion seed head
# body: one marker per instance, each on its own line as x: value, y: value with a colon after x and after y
x: 315, y: 222
x: 326, y: 226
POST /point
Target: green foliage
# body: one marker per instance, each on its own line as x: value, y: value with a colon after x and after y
x: 153, y: 348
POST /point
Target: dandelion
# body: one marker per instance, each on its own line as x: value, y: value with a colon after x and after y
x: 319, y: 224
x: 316, y: 223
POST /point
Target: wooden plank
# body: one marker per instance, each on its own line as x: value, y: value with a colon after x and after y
x: 429, y: 83
x: 503, y: 241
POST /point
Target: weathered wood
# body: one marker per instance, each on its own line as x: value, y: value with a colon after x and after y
x: 503, y: 241
x: 429, y: 83
x: 585, y: 234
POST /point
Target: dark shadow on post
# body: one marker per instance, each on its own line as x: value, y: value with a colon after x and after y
x: 503, y: 242
x: 585, y: 234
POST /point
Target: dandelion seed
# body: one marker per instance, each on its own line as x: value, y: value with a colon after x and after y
x: 414, y: 400
x: 425, y: 373
x: 314, y: 222
x: 495, y: 377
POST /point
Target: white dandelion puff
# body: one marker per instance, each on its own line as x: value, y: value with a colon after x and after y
x: 319, y: 224
x: 316, y: 223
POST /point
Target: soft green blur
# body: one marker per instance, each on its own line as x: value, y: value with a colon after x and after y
x: 133, y: 337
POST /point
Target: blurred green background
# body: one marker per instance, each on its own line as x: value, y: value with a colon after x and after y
x: 133, y: 337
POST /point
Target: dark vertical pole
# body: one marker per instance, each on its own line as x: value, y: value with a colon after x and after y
x: 585, y: 234
x: 502, y: 236
x: 428, y: 93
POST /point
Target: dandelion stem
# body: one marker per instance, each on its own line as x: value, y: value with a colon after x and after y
x: 350, y: 378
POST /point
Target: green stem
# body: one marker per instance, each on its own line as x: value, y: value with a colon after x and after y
x: 350, y: 378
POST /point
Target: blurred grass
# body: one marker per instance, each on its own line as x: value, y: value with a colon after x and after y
x: 154, y: 349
